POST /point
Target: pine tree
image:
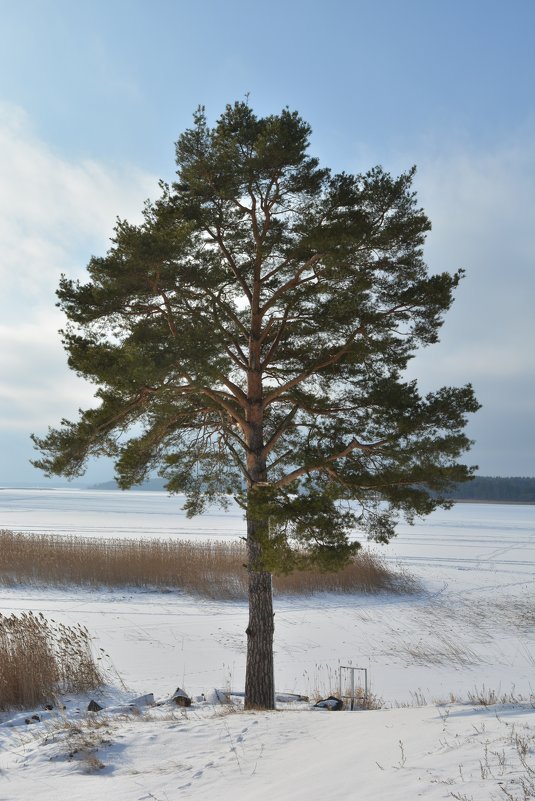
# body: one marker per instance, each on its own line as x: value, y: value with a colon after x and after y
x: 249, y: 339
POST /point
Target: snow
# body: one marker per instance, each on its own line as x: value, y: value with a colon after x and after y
x: 387, y: 755
x: 472, y: 626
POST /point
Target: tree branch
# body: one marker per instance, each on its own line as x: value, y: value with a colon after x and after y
x: 236, y: 358
x: 218, y: 398
x: 274, y: 345
x: 272, y: 396
x: 230, y: 259
x: 268, y: 447
x: 228, y: 310
x: 237, y: 459
x: 353, y: 445
x: 293, y: 282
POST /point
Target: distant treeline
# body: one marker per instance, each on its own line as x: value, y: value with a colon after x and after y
x: 517, y: 489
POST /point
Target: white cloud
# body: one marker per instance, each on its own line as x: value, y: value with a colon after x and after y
x: 54, y: 213
x: 36, y: 388
x: 483, y: 192
x: 482, y: 206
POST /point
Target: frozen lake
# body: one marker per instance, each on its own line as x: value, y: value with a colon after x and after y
x: 111, y: 513
x: 496, y: 540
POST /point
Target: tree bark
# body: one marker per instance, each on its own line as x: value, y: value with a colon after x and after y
x: 259, y: 676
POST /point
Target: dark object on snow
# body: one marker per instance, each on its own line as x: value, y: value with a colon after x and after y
x: 48, y: 707
x: 33, y: 719
x: 331, y: 703
x: 181, y: 698
x: 93, y: 706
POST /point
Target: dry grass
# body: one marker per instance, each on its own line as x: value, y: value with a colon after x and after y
x: 40, y: 658
x: 486, y: 696
x: 366, y: 573
x: 212, y: 569
x: 443, y: 650
x: 483, y: 615
x: 362, y: 700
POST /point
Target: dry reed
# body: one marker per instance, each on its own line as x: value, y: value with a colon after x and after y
x: 211, y: 569
x: 40, y: 658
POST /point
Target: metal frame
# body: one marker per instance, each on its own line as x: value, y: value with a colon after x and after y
x: 353, y: 669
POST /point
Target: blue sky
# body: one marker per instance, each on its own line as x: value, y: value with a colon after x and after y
x: 93, y: 95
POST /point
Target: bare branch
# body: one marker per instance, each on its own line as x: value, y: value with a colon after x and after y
x: 293, y: 282
x: 236, y: 358
x: 275, y: 270
x: 274, y: 345
x: 169, y: 314
x: 353, y: 445
x: 218, y: 397
x: 218, y: 237
x: 276, y: 393
x: 226, y: 309
x: 268, y: 447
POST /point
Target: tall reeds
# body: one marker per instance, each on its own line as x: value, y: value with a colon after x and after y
x: 40, y: 659
x: 211, y: 569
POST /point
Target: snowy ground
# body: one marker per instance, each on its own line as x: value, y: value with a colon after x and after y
x: 471, y: 626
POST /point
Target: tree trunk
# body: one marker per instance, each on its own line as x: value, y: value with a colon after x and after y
x: 259, y: 676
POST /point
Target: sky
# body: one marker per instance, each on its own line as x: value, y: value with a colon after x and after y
x: 94, y: 94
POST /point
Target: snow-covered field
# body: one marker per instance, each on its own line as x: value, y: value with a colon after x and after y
x: 472, y: 626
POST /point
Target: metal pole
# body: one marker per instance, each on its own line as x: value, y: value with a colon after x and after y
x: 352, y: 688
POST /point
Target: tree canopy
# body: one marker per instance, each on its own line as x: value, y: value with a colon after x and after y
x: 249, y: 338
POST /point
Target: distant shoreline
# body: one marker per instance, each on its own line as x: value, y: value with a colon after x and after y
x: 101, y: 488
x: 501, y: 503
